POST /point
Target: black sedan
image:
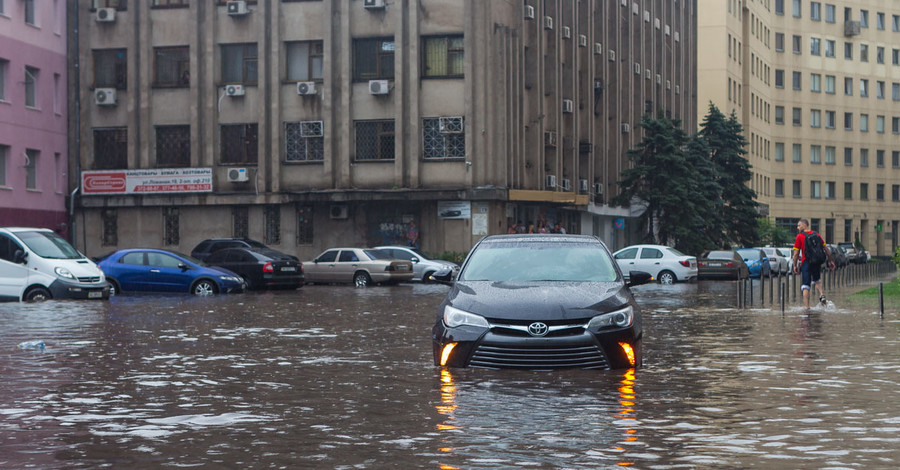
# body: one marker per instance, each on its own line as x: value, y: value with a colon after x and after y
x: 261, y: 267
x: 722, y: 264
x: 539, y: 302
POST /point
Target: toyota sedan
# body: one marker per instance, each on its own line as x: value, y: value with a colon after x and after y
x: 539, y: 302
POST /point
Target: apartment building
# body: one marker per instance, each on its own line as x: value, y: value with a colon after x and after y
x: 33, y: 115
x: 816, y: 85
x: 309, y: 124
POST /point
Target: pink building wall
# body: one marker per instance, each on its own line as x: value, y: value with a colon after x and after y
x: 43, y: 127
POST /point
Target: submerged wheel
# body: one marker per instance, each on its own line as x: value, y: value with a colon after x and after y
x: 361, y: 279
x: 203, y: 287
x: 38, y: 294
x: 114, y: 288
x: 666, y: 277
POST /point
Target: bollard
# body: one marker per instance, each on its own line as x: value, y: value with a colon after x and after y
x: 783, y: 294
x: 771, y: 289
x: 881, y: 298
x: 750, y: 280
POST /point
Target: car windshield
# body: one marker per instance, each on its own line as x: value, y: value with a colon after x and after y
x: 518, y: 261
x: 749, y: 253
x: 255, y: 244
x: 49, y: 245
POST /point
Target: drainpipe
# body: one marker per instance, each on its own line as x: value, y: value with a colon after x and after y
x: 77, y: 88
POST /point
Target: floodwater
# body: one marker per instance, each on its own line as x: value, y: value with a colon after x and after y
x: 341, y: 377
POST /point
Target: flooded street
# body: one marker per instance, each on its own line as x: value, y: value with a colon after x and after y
x: 340, y: 377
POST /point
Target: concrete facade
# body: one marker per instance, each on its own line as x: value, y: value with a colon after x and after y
x: 794, y: 73
x: 33, y: 116
x: 550, y: 91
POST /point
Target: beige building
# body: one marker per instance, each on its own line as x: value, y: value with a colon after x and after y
x: 816, y: 85
x: 309, y: 124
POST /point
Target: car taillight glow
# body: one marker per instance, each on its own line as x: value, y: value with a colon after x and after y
x: 729, y: 264
x: 685, y: 263
x: 268, y: 268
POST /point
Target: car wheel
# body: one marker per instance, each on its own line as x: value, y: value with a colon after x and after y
x: 361, y: 279
x: 38, y: 294
x: 426, y: 278
x: 666, y: 277
x: 114, y: 288
x: 203, y: 287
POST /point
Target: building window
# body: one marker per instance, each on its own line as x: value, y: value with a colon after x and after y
x: 111, y: 149
x: 240, y: 222
x: 170, y: 3
x: 779, y: 114
x: 797, y: 116
x: 879, y: 192
x: 796, y: 8
x: 31, y: 78
x: 895, y: 159
x: 31, y: 168
x: 895, y: 193
x: 239, y: 63
x: 797, y: 43
x: 815, y: 118
x: 815, y: 46
x: 879, y: 158
x: 373, y: 59
x: 443, y: 57
x: 879, y: 54
x: 815, y: 11
x: 863, y: 191
x: 848, y: 191
x: 895, y: 56
x: 830, y: 14
x: 848, y: 156
x: 303, y: 60
x: 864, y: 123
x: 272, y: 215
x: 796, y: 79
x: 779, y: 7
x: 864, y: 157
x: 829, y: 48
x: 864, y: 87
x: 797, y: 153
x: 30, y: 14
x: 848, y: 121
x: 111, y: 69
x: 117, y: 4
x: 779, y: 151
x: 171, y: 232
x: 374, y: 140
x: 895, y: 23
x: 848, y: 50
x: 863, y: 18
x: 779, y: 79
x: 815, y: 154
x: 238, y: 143
x: 779, y: 42
x: 830, y: 155
x: 815, y: 189
x: 4, y: 67
x: 830, y: 119
x: 848, y: 86
x: 815, y: 82
x: 864, y: 52
x: 796, y: 188
x: 173, y: 146
x: 171, y: 66
x: 109, y: 219
x: 879, y: 21
x: 304, y: 141
x: 779, y: 188
x: 4, y: 155
x: 879, y: 124
x: 304, y: 225
x: 879, y: 89
x: 441, y: 141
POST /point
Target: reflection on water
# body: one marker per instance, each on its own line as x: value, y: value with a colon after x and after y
x: 338, y: 377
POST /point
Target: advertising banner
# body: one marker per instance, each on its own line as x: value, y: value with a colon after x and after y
x: 146, y: 181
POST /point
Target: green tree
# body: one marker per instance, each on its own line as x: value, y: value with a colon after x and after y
x: 771, y: 234
x: 706, y: 225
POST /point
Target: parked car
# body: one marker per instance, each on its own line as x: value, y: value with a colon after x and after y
x: 38, y: 264
x: 854, y: 255
x: 261, y: 268
x: 151, y: 270
x: 757, y: 261
x: 722, y: 264
x: 211, y: 245
x: 788, y: 253
x: 423, y: 267
x: 777, y: 260
x: 360, y: 266
x: 666, y: 264
x: 838, y: 255
x: 539, y: 302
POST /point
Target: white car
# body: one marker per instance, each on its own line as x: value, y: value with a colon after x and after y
x: 777, y: 259
x: 666, y: 264
x: 423, y: 267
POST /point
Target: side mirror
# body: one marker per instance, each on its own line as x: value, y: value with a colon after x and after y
x: 414, y: 259
x: 443, y: 276
x: 19, y: 257
x: 183, y: 266
x: 637, y: 278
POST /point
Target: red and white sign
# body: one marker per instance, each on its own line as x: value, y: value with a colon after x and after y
x: 148, y: 181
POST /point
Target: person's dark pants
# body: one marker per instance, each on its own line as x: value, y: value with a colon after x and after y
x: 811, y: 275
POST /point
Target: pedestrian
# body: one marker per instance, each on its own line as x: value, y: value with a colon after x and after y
x: 810, y: 253
x: 558, y: 228
x: 531, y: 228
x: 514, y: 228
x: 520, y: 227
x: 542, y: 227
x: 412, y: 236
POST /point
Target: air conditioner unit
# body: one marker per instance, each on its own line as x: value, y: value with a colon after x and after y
x: 582, y: 40
x: 311, y: 129
x: 105, y: 96
x: 583, y: 186
x: 339, y: 211
x: 549, y: 138
x: 237, y: 8
x: 551, y: 181
x: 668, y: 84
x: 612, y: 56
x: 105, y: 15
x: 598, y: 48
x: 851, y: 28
x: 238, y: 175
x: 568, y: 106
x: 451, y: 125
x: 306, y: 88
x: 677, y: 90
x: 647, y: 74
x: 548, y: 22
x: 566, y: 32
x: 234, y: 90
x: 566, y: 184
x: 637, y: 68
x: 379, y: 87
x: 598, y: 188
x: 656, y: 23
x: 373, y: 4
x: 529, y: 12
x: 626, y: 128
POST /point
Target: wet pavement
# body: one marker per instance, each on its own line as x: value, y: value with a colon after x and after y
x: 340, y: 377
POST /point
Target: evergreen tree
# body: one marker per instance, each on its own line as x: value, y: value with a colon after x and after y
x: 706, y: 227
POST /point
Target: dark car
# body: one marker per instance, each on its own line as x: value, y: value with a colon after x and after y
x: 854, y: 255
x: 539, y: 302
x: 838, y: 255
x: 722, y: 264
x: 151, y: 270
x: 260, y: 267
x: 212, y: 245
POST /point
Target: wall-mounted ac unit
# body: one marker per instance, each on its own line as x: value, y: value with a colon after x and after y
x: 234, y: 90
x: 626, y: 128
x: 237, y: 8
x: 656, y: 23
x: 529, y: 12
x: 566, y: 32
x: 566, y: 184
x: 379, y: 87
x: 551, y: 181
x: 668, y: 84
x: 598, y: 188
x: 549, y: 138
x: 548, y: 22
x: 647, y: 74
x: 568, y: 106
x: 238, y: 175
x: 105, y: 15
x: 583, y: 185
x: 373, y: 4
x: 851, y: 28
x: 612, y: 56
x: 105, y: 96
x: 339, y: 211
x: 306, y: 88
x: 637, y: 68
x: 598, y: 48
x: 582, y: 40
x: 451, y: 125
x: 677, y: 90
x: 311, y: 129
x: 658, y: 79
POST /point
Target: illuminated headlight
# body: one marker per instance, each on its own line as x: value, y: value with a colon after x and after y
x: 63, y: 272
x: 454, y: 317
x: 230, y: 278
x: 620, y: 318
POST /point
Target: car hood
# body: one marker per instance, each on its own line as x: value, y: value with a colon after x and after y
x: 537, y: 300
x: 220, y: 271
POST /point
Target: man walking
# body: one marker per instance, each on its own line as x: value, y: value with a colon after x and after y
x: 812, y: 247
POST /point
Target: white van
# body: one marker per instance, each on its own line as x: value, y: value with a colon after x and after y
x: 38, y: 264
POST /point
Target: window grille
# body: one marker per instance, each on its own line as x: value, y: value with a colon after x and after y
x: 171, y: 229
x: 273, y: 225
x: 239, y: 143
x: 110, y: 221
x: 111, y: 149
x: 240, y: 219
x: 442, y: 145
x: 173, y: 146
x: 375, y: 140
x: 304, y: 141
x: 304, y: 225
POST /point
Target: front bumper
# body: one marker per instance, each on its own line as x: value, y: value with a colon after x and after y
x: 65, y: 289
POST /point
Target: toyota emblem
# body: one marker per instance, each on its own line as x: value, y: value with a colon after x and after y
x: 538, y: 329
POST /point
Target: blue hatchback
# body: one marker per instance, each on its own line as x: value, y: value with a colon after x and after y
x: 150, y: 270
x: 756, y: 260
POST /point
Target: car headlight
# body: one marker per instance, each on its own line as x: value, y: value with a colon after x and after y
x: 454, y: 317
x: 620, y: 318
x: 230, y: 278
x: 63, y: 272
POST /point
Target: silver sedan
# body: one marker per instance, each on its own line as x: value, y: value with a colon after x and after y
x: 359, y: 266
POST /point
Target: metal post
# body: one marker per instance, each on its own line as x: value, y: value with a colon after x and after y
x: 881, y: 298
x: 783, y: 295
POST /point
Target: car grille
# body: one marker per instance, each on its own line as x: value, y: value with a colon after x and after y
x: 545, y: 357
x: 89, y: 280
